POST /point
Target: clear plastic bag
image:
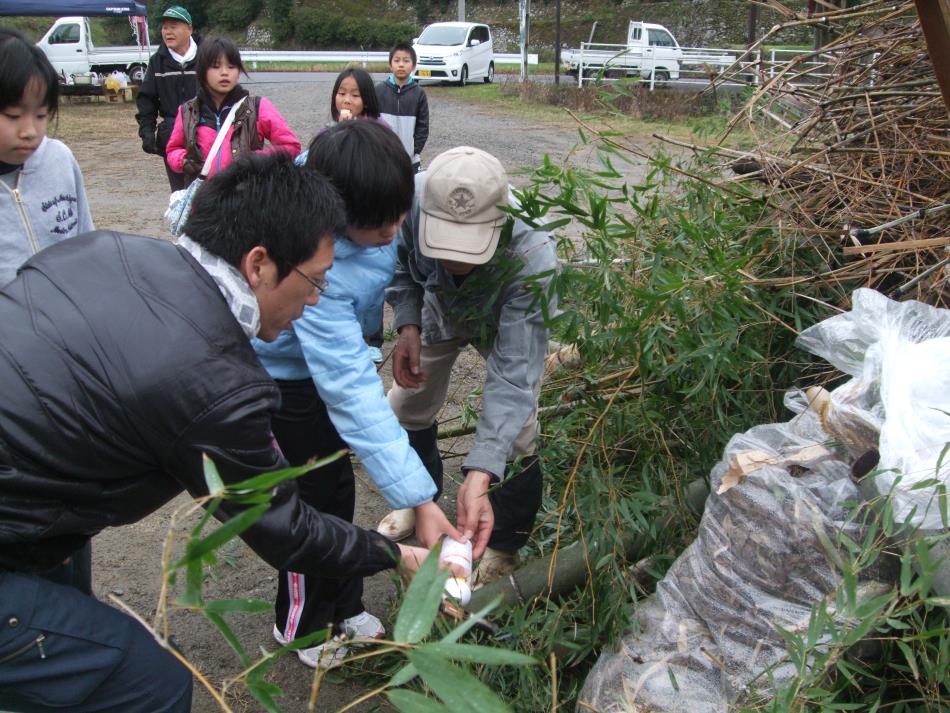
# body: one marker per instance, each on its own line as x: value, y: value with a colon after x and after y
x: 898, y: 355
x: 763, y: 556
x: 765, y: 551
x: 179, y: 207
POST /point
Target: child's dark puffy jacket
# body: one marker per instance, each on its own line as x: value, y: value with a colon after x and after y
x: 406, y: 110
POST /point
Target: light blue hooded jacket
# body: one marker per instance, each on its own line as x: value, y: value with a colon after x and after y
x: 326, y: 344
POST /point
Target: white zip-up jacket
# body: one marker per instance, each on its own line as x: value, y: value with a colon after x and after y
x: 47, y: 205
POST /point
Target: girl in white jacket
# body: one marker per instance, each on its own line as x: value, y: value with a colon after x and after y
x: 42, y: 198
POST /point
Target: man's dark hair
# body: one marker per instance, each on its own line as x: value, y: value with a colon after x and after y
x: 22, y: 62
x: 364, y: 82
x: 264, y: 199
x: 403, y: 47
x: 208, y: 53
x: 370, y: 168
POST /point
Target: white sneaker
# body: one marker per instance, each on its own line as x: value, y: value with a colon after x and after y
x: 325, y: 656
x: 363, y: 626
x: 376, y: 354
x: 398, y: 525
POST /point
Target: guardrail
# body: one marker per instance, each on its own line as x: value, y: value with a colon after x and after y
x: 600, y: 61
x: 254, y: 57
x: 693, y: 65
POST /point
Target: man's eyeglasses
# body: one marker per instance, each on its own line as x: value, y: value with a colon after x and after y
x: 319, y: 285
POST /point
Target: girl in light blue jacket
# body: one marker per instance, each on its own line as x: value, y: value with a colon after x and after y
x: 332, y: 397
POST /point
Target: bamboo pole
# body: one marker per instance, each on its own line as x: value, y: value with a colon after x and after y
x: 935, y: 22
x: 572, y: 567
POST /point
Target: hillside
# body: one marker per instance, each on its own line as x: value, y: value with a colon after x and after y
x: 346, y: 24
x: 365, y: 23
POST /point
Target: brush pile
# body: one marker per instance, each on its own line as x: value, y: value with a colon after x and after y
x: 850, y: 139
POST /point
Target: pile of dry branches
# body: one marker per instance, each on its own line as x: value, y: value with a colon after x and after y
x: 853, y: 138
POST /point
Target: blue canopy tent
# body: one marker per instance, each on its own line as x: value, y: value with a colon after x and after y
x: 132, y: 9
x: 86, y: 8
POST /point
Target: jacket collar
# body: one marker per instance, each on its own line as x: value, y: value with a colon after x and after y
x: 189, y: 55
x: 31, y: 164
x: 392, y: 80
x: 237, y: 293
x: 207, y: 103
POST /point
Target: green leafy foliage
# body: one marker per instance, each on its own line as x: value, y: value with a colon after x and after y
x: 683, y: 301
x: 318, y: 28
x: 237, y: 14
x: 872, y: 649
x: 441, y: 666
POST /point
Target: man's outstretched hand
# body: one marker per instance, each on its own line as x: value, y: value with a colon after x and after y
x: 406, y: 358
x: 475, y: 516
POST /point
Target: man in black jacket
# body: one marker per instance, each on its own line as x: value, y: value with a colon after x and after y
x: 123, y: 359
x: 169, y: 82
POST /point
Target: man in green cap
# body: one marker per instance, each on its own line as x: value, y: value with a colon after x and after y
x: 169, y: 81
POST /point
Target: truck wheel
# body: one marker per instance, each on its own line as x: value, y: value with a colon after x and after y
x: 137, y: 73
x: 491, y: 73
x: 660, y: 78
x: 463, y: 77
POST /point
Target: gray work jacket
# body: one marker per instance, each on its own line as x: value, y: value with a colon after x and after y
x: 498, y: 309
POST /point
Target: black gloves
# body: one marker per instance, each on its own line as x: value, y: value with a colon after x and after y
x: 191, y: 167
x: 150, y: 145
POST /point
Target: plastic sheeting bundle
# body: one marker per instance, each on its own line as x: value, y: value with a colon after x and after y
x: 765, y: 552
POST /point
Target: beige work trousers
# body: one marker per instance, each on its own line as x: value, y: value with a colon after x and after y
x: 417, y: 408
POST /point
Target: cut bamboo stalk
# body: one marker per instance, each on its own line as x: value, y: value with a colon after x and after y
x: 572, y: 563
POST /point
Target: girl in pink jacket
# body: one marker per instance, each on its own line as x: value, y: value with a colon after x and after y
x: 257, y: 120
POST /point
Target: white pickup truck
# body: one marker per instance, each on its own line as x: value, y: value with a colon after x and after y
x: 650, y: 50
x: 68, y: 44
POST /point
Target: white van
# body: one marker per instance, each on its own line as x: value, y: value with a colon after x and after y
x: 454, y: 52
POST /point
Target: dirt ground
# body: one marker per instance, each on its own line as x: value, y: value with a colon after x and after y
x: 128, y: 191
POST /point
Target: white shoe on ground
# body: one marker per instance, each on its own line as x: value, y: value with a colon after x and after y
x: 325, y: 656
x: 363, y: 626
x: 398, y: 525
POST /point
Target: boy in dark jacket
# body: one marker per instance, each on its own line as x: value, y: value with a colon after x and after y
x: 403, y: 104
x: 124, y: 360
x: 169, y: 82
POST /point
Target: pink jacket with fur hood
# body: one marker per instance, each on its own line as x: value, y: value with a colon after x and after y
x: 271, y: 127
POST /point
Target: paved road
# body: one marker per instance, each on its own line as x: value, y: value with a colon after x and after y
x: 304, y: 100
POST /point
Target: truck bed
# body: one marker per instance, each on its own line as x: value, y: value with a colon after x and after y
x: 118, y: 55
x: 631, y: 58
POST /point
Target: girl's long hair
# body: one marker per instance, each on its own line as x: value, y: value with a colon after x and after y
x: 364, y: 83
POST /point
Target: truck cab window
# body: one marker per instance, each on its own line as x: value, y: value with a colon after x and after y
x: 65, y: 35
x: 659, y: 38
x: 635, y: 34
